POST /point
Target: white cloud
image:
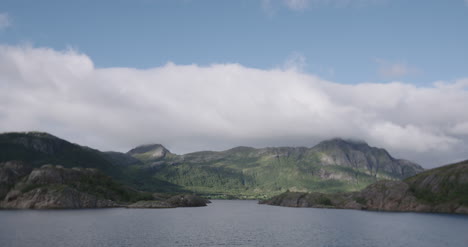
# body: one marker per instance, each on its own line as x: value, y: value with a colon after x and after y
x: 295, y: 61
x: 394, y: 70
x: 5, y: 21
x: 297, y: 4
x: 189, y: 107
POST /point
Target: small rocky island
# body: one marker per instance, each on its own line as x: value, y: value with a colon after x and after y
x: 441, y: 190
x: 56, y: 187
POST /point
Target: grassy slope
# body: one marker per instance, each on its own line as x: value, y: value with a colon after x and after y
x: 252, y: 176
x: 442, y: 185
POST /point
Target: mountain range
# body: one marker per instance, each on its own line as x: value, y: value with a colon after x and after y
x: 334, y: 165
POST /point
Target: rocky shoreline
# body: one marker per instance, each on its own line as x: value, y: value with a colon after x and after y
x: 440, y: 190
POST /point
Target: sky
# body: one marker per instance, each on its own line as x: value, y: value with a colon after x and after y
x: 211, y: 75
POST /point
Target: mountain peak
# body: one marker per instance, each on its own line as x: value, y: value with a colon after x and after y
x: 31, y: 134
x: 154, y: 151
x: 339, y: 141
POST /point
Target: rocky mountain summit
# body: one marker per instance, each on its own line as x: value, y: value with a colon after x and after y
x: 442, y: 190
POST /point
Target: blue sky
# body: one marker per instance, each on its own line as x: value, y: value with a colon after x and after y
x: 211, y: 75
x: 347, y: 41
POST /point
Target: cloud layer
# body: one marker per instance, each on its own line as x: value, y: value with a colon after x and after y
x: 189, y: 108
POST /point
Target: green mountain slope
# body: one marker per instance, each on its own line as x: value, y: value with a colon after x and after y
x: 38, y: 148
x: 446, y: 184
x: 441, y: 190
x: 331, y: 166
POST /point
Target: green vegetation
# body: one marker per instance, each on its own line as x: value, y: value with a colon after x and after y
x: 242, y: 172
x: 442, y: 185
x: 37, y: 149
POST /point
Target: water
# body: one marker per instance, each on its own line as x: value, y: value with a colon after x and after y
x: 229, y: 223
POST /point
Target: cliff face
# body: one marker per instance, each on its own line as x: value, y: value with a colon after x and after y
x: 442, y: 190
x: 360, y: 155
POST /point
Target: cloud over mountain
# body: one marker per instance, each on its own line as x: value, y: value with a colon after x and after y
x: 190, y: 107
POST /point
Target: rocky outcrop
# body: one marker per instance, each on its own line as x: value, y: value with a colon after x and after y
x: 56, y: 187
x: 10, y: 173
x: 54, y: 197
x: 172, y: 202
x: 441, y: 190
x: 151, y: 151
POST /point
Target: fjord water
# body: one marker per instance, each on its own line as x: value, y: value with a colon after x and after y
x: 229, y: 223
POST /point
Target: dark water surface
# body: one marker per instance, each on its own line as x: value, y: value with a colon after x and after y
x: 229, y: 223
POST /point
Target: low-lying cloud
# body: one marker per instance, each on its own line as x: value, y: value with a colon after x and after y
x: 190, y: 107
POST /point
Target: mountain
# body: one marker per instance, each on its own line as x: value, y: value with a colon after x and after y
x: 331, y: 166
x: 441, y: 190
x: 38, y: 148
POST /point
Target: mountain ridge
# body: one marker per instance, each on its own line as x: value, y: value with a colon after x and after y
x: 246, y: 172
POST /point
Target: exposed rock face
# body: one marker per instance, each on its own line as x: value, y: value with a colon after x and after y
x: 57, y: 187
x: 54, y: 197
x: 358, y: 154
x: 153, y: 151
x: 10, y: 173
x: 442, y: 190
